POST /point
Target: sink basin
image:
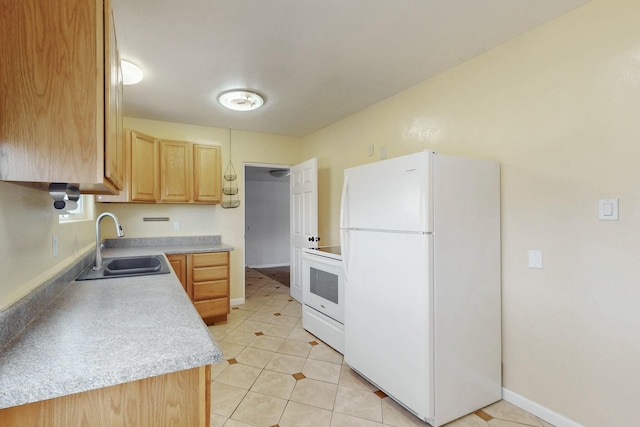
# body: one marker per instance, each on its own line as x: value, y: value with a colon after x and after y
x: 127, y: 267
x: 133, y: 265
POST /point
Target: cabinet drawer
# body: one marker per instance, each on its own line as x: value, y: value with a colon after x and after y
x: 210, y: 308
x: 205, y: 274
x: 210, y: 259
x: 209, y: 290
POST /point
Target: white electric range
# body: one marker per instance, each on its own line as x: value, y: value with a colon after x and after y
x: 323, y: 295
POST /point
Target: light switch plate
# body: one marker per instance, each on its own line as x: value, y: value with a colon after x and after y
x: 608, y: 209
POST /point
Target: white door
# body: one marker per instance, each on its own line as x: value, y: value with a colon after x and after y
x: 304, y: 218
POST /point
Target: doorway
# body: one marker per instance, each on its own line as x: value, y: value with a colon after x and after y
x: 267, y: 220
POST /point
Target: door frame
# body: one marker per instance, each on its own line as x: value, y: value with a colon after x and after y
x: 244, y: 214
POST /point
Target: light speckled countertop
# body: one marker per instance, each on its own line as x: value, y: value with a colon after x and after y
x: 99, y: 333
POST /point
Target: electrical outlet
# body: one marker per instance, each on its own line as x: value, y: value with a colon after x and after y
x: 176, y: 225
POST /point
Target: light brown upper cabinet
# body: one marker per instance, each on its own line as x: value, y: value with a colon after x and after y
x: 207, y: 186
x: 175, y: 172
x: 145, y: 168
x: 162, y: 171
x: 189, y: 173
x: 61, y: 95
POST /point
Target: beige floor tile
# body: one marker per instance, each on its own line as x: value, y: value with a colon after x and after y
x: 218, y: 334
x: 508, y: 412
x: 259, y: 316
x: 286, y: 363
x: 274, y: 384
x: 301, y: 335
x: 350, y: 378
x: 239, y: 375
x: 252, y: 326
x: 359, y: 403
x: 240, y: 313
x: 217, y: 368
x: 277, y: 331
x: 295, y: 348
x: 265, y: 342
x: 217, y: 420
x: 255, y: 357
x: 285, y: 321
x: 470, y: 420
x: 225, y: 398
x: 259, y: 410
x: 497, y: 422
x: 292, y: 310
x: 344, y: 420
x: 234, y: 423
x: 323, y: 371
x: 325, y: 353
x: 230, y: 349
x: 315, y: 393
x: 300, y: 415
x: 395, y: 415
x: 240, y: 337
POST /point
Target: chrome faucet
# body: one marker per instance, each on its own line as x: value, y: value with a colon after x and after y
x: 98, y: 263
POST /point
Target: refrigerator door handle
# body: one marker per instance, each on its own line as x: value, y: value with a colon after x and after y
x: 344, y: 244
x: 343, y: 203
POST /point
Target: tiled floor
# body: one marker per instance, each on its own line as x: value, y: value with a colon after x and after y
x: 277, y: 374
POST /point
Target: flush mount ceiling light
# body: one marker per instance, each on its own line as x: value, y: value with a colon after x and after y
x: 131, y: 73
x: 241, y: 100
x: 279, y: 173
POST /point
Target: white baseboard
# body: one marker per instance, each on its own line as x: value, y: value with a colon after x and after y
x: 268, y: 265
x: 538, y: 410
x: 236, y: 301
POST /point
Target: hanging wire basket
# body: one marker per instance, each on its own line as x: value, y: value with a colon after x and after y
x: 230, y: 185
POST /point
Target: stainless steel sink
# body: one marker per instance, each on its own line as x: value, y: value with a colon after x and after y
x: 127, y: 267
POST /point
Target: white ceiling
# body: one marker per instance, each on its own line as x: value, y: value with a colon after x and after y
x: 314, y: 61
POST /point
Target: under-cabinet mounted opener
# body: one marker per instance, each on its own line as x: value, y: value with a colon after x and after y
x: 65, y: 197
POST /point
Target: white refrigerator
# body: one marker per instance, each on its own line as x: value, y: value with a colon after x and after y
x: 420, y: 238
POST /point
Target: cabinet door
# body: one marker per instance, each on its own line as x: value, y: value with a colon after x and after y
x: 179, y: 264
x: 207, y: 186
x: 114, y: 142
x: 175, y: 171
x: 144, y: 168
x: 52, y: 96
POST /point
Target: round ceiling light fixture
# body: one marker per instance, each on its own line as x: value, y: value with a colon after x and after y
x: 131, y: 73
x: 241, y: 100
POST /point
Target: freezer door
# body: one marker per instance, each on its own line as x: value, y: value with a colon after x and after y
x: 389, y: 316
x: 392, y: 194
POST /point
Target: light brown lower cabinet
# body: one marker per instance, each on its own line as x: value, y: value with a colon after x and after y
x: 205, y: 278
x: 176, y: 399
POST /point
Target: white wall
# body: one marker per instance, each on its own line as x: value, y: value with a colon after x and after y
x: 559, y: 107
x: 266, y: 223
x: 27, y: 226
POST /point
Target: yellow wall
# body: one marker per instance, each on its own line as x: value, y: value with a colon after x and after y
x: 27, y: 225
x: 559, y: 107
x: 247, y: 147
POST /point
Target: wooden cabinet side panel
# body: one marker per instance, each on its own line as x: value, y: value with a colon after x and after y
x: 175, y: 399
x: 207, y: 183
x: 144, y: 168
x: 114, y: 142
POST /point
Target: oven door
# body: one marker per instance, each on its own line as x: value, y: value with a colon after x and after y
x: 322, y: 285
